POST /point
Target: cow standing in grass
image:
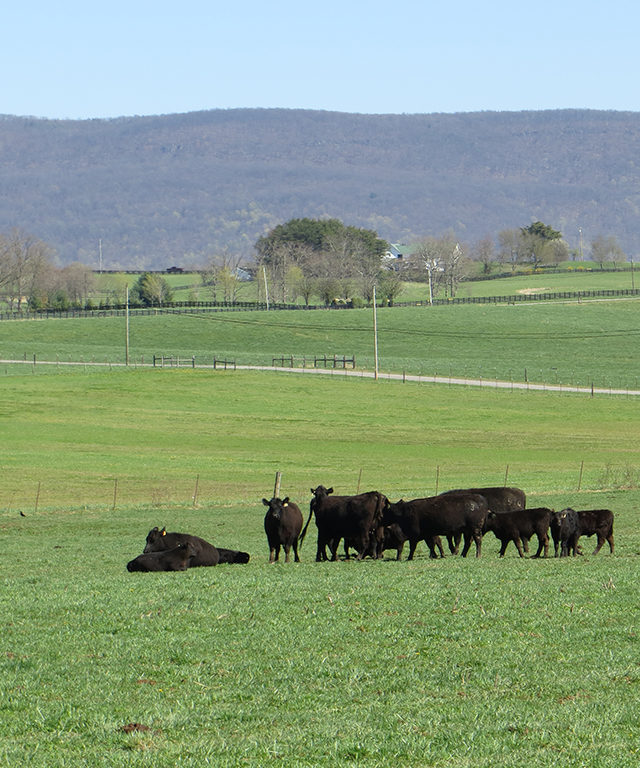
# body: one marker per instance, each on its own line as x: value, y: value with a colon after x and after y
x: 450, y: 515
x: 499, y: 499
x: 565, y: 525
x: 282, y: 524
x: 519, y: 526
x: 598, y: 522
x: 344, y: 517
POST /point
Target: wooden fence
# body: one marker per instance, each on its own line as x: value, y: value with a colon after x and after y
x: 198, y: 307
x: 326, y: 361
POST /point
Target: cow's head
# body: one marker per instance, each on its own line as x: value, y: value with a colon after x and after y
x: 392, y: 513
x: 321, y: 491
x: 154, y: 538
x: 276, y: 506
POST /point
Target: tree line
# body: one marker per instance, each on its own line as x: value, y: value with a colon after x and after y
x: 297, y: 260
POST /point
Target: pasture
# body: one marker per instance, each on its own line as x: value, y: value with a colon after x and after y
x: 452, y: 663
x: 573, y: 344
x: 572, y: 276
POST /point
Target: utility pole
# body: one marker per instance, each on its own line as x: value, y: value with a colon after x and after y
x: 126, y: 346
x: 375, y: 335
x: 266, y: 290
x: 100, y: 255
x: 580, y: 233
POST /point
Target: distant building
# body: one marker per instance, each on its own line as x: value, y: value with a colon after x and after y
x: 175, y: 270
x: 397, y: 253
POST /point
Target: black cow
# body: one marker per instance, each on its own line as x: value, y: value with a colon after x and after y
x: 450, y: 515
x: 282, y: 524
x: 159, y: 540
x: 232, y: 556
x: 349, y: 517
x: 499, y: 499
x: 519, y: 526
x: 393, y: 538
x: 592, y: 521
x: 176, y: 559
x: 565, y: 528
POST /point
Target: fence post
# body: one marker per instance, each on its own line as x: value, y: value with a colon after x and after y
x: 276, y: 487
x: 195, y: 492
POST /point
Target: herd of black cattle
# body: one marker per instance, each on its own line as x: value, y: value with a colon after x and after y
x: 370, y: 524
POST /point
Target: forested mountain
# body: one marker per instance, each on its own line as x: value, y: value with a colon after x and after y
x: 174, y: 189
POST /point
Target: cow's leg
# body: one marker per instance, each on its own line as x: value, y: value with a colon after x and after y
x: 333, y: 548
x: 517, y: 541
x: 287, y: 547
x: 467, y: 544
x: 610, y: 540
x: 438, y: 542
x: 295, y: 551
x: 477, y: 537
x: 413, y: 543
x: 543, y: 543
x: 525, y: 543
x: 599, y: 543
x: 272, y: 554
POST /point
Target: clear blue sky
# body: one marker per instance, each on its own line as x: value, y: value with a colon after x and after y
x: 83, y: 59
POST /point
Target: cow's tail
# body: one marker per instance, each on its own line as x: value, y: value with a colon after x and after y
x: 380, y: 508
x: 304, y: 530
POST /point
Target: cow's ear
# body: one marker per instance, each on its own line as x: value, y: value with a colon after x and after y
x: 285, y: 501
x: 329, y: 490
x: 265, y: 502
x: 154, y: 529
x: 163, y: 532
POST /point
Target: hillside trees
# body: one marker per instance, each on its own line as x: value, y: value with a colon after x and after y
x: 323, y: 256
x: 534, y: 245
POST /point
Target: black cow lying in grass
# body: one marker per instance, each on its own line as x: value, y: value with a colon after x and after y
x: 159, y: 540
x: 176, y: 559
x: 232, y: 556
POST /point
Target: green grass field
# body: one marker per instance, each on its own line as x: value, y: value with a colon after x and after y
x: 573, y: 344
x: 575, y: 276
x: 456, y: 662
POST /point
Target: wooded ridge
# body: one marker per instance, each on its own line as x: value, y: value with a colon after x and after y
x: 172, y: 189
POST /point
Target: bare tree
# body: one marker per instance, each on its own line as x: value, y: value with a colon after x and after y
x: 606, y: 249
x: 509, y: 252
x: 78, y: 281
x: 484, y: 252
x: 220, y: 275
x: 25, y: 267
